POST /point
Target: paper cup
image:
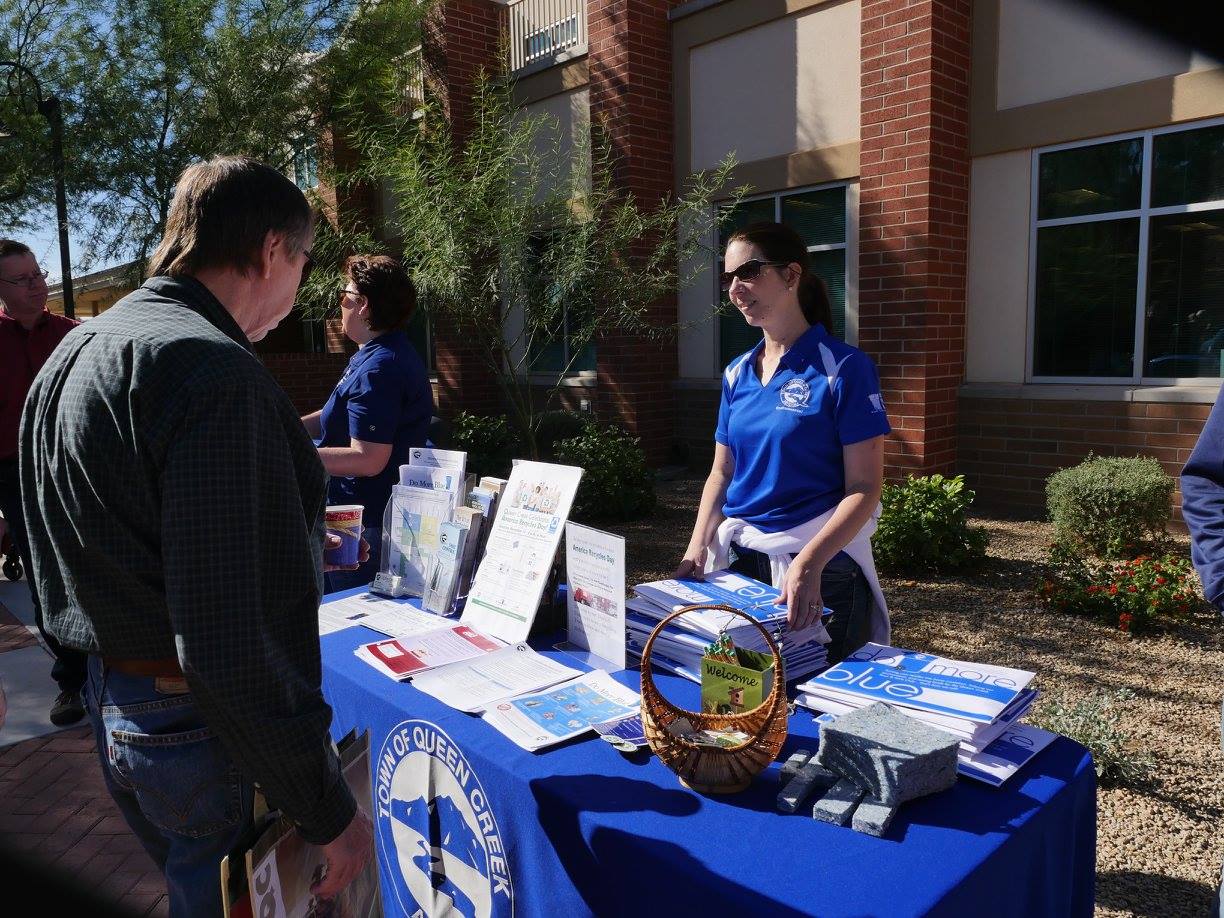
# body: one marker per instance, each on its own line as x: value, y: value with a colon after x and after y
x: 344, y: 521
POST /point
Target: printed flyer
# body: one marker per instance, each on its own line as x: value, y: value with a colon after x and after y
x: 563, y: 711
x: 595, y: 605
x: 520, y: 549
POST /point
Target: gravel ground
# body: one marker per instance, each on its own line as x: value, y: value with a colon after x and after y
x: 1159, y: 846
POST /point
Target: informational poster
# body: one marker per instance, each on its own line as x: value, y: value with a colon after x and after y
x: 520, y: 549
x: 595, y: 604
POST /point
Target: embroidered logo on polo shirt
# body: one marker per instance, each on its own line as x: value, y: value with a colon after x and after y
x: 795, y: 395
x: 436, y: 828
x: 877, y: 403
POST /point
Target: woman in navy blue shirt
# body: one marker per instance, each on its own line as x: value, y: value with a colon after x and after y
x: 794, y: 491
x: 382, y: 405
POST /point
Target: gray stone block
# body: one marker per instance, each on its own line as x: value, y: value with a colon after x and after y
x: 891, y: 756
x: 811, y: 779
x: 838, y: 803
x: 792, y: 765
x: 873, y: 817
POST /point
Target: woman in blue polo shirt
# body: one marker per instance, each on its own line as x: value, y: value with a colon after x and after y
x: 794, y: 491
x: 382, y: 405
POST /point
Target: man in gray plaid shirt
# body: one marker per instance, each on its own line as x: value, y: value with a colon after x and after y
x: 176, y: 519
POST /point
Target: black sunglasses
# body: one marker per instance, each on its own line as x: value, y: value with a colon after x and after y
x: 307, y: 266
x: 749, y: 270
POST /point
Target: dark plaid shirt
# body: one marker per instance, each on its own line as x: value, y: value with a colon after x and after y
x: 175, y: 508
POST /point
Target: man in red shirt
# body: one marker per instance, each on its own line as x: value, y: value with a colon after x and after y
x: 28, y: 335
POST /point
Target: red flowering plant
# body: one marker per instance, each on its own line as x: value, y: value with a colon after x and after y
x: 1136, y: 595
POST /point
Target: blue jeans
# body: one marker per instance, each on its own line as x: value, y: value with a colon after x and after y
x: 843, y: 588
x: 176, y: 786
x: 335, y: 581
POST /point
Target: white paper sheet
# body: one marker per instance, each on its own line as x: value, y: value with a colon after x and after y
x: 520, y: 549
x: 396, y: 619
x: 403, y: 658
x: 595, y: 606
x: 473, y: 685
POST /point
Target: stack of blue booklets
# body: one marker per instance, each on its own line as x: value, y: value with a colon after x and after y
x: 680, y: 645
x: 975, y: 702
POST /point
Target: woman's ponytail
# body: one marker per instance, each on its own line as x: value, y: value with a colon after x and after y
x: 814, y: 300
x: 781, y: 244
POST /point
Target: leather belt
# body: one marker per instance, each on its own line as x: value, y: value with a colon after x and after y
x: 167, y: 668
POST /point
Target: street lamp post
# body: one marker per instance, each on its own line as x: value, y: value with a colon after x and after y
x: 49, y: 108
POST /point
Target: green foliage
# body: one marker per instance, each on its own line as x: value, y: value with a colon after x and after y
x: 149, y: 86
x: 555, y: 426
x: 1110, y: 506
x: 520, y: 237
x: 1136, y: 596
x: 1096, y: 722
x: 923, y: 527
x: 616, y: 484
x: 489, y: 441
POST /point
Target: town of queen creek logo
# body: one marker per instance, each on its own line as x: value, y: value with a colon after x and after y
x: 795, y: 394
x: 436, y: 829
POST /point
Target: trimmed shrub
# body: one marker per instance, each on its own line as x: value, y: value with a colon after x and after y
x: 616, y: 483
x: 1095, y: 722
x: 1137, y: 595
x: 923, y: 527
x: 489, y: 441
x: 553, y: 426
x: 1110, y: 506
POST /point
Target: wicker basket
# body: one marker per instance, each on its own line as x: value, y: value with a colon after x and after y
x: 715, y: 769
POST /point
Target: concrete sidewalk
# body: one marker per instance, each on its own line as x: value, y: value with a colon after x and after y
x: 54, y: 808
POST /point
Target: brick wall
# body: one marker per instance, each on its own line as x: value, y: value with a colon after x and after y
x: 629, y: 62
x: 307, y: 378
x: 462, y: 38
x: 1008, y: 447
x: 913, y: 218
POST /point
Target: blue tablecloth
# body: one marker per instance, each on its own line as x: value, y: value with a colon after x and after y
x: 464, y: 816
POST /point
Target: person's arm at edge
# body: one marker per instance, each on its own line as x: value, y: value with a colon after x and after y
x: 709, y: 513
x: 360, y: 459
x: 258, y: 692
x: 313, y: 423
x: 1202, y: 488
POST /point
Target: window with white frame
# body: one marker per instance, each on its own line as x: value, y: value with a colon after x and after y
x: 819, y: 216
x: 1127, y: 258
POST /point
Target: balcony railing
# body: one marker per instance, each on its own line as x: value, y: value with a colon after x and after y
x: 411, y: 76
x: 546, y: 32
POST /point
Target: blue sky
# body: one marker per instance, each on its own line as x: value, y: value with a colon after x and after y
x: 44, y: 240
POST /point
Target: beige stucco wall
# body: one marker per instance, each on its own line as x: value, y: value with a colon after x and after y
x: 997, y: 288
x: 789, y: 85
x: 1051, y: 49
x: 569, y: 115
x: 698, y: 338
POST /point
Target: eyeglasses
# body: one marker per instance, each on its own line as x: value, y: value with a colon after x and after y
x: 307, y: 266
x: 346, y: 293
x: 748, y: 271
x: 26, y: 280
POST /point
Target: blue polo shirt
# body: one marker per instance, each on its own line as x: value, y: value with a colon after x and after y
x: 383, y: 397
x: 787, y: 436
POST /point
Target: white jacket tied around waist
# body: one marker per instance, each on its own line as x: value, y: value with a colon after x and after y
x: 782, y: 546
